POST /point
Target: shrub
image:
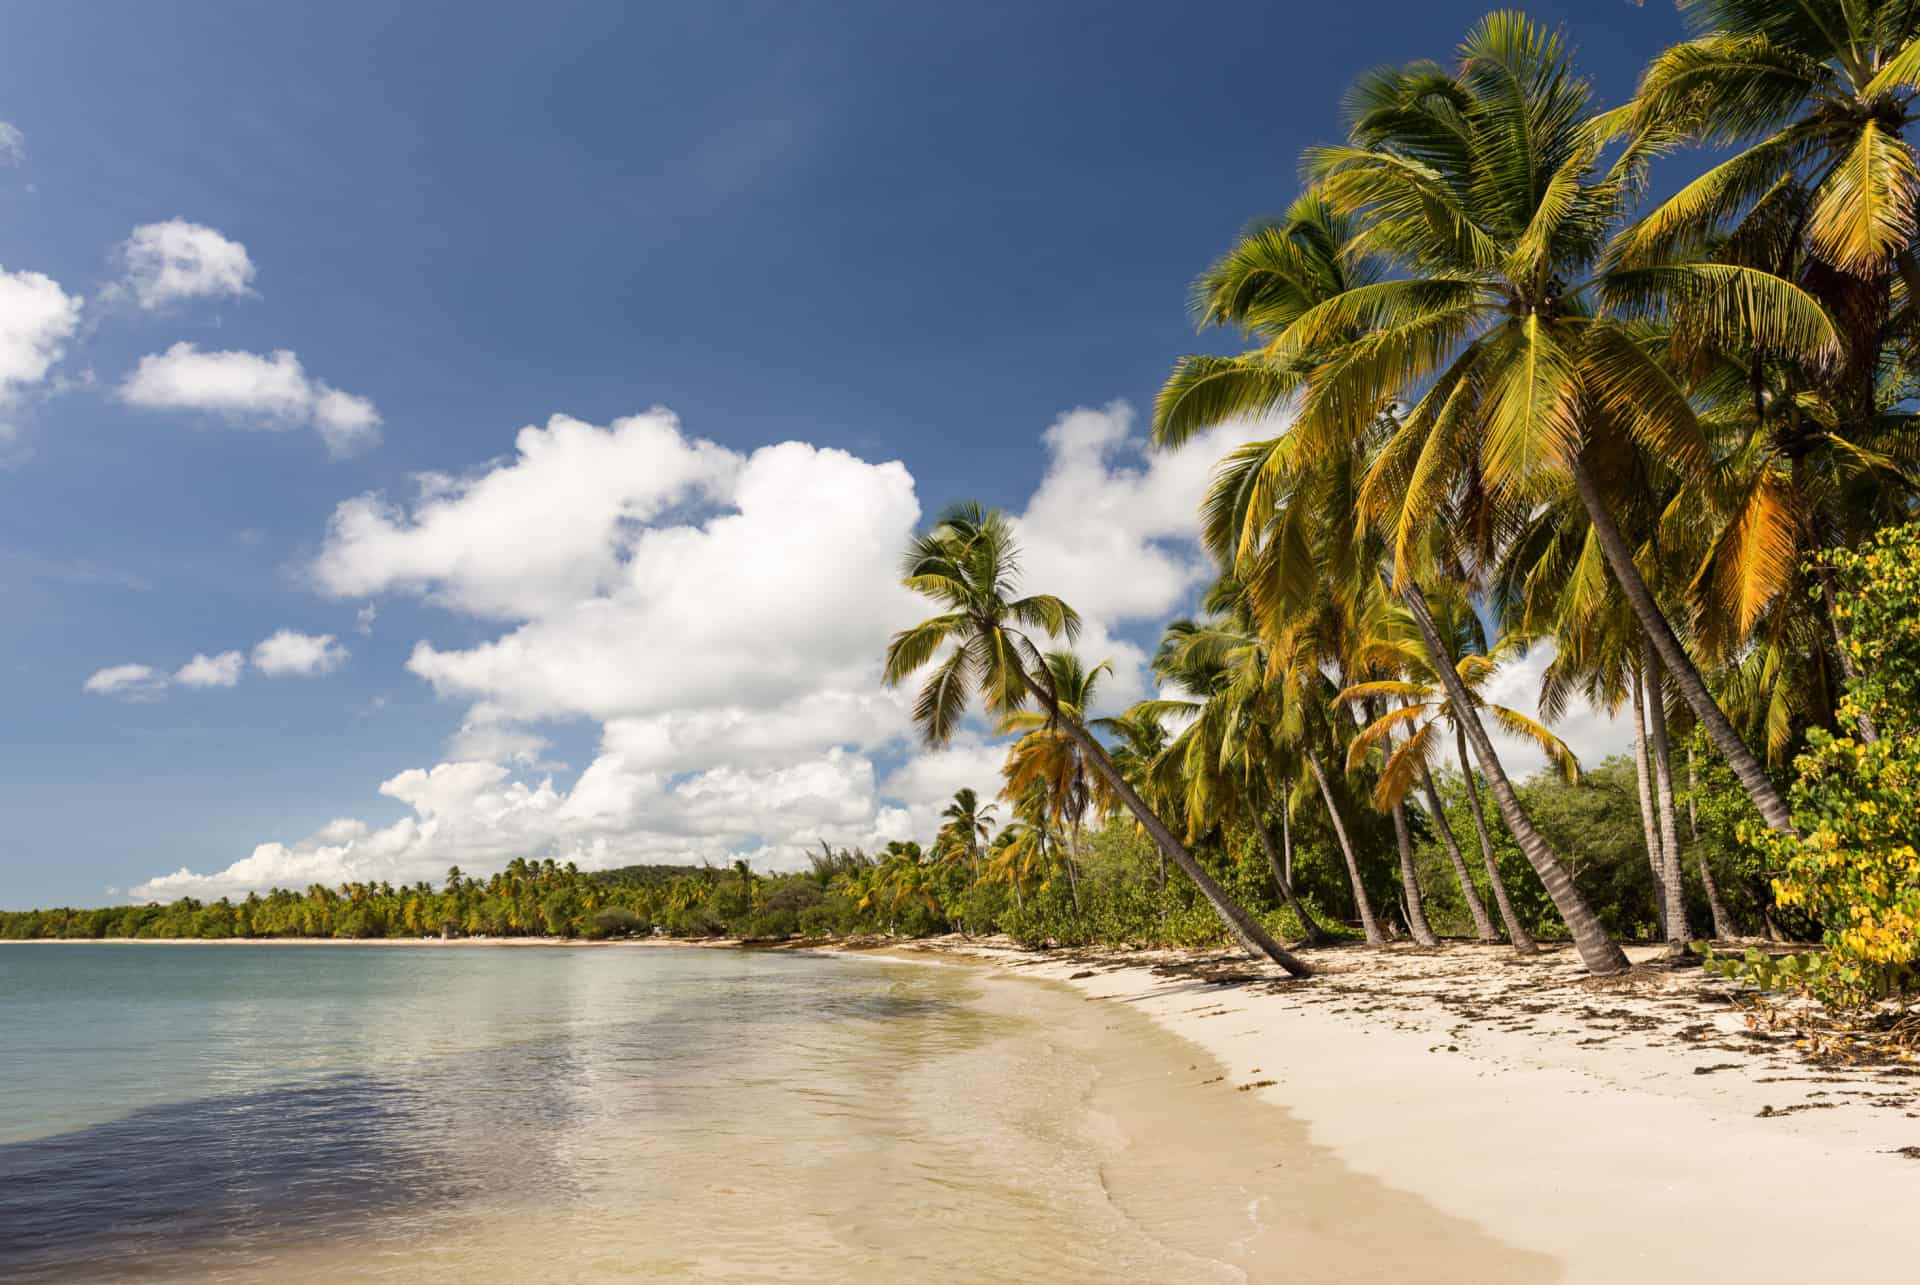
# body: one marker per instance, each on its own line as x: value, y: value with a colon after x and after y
x: 1854, y: 865
x: 615, y: 921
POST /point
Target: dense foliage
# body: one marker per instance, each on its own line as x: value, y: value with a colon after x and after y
x: 1855, y: 866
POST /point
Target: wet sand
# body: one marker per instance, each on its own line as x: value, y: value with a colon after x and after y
x: 1620, y: 1127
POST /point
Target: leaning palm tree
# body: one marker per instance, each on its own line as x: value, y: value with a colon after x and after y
x: 1481, y: 184
x: 1425, y: 705
x: 968, y: 564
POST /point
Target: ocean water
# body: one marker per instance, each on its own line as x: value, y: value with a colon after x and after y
x: 291, y: 1113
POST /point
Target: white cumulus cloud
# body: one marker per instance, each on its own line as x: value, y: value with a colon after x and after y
x: 167, y: 262
x: 127, y: 682
x: 291, y: 654
x: 37, y: 318
x: 222, y: 670
x: 720, y: 615
x: 252, y: 391
x: 542, y: 531
x: 13, y: 144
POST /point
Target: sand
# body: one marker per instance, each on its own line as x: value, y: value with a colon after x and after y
x: 1619, y: 1127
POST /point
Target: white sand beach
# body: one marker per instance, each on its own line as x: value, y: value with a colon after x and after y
x: 1619, y: 1126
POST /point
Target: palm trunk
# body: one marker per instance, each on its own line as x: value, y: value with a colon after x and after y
x: 1693, y: 797
x: 1686, y: 679
x: 1415, y: 904
x: 1649, y: 818
x: 1723, y: 925
x: 1315, y: 934
x: 1286, y: 842
x: 1677, y: 929
x: 1067, y: 860
x: 1361, y: 905
x: 1598, y: 951
x: 1246, y: 929
x: 1863, y: 721
x: 1482, y: 926
x: 1517, y: 933
x: 1416, y: 907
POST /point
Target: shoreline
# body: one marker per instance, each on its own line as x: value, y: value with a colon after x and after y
x: 1618, y: 1126
x: 1610, y: 1125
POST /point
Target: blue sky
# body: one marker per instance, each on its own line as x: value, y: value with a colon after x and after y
x: 907, y: 232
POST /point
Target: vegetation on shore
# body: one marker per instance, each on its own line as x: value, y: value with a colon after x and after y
x: 1516, y: 400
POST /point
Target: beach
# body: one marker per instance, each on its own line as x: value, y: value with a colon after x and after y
x: 1614, y: 1126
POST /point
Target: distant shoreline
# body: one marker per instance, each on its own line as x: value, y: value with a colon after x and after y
x: 389, y: 942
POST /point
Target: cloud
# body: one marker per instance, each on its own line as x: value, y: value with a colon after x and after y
x: 167, y: 262
x: 721, y: 616
x: 1593, y: 734
x: 290, y: 654
x: 544, y: 530
x: 211, y: 671
x: 363, y: 619
x: 37, y: 318
x: 27, y: 565
x: 476, y: 815
x: 13, y: 144
x: 127, y: 683
x: 656, y: 575
x: 252, y: 391
x: 1114, y: 528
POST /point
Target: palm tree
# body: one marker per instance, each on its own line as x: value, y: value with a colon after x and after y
x: 1141, y: 743
x: 1425, y: 706
x: 968, y: 564
x: 1226, y: 755
x: 1815, y: 97
x: 1598, y: 951
x: 1020, y: 850
x: 968, y: 825
x: 1481, y: 186
x: 1048, y: 761
x: 1346, y: 341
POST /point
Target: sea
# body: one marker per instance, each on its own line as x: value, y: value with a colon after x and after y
x: 187, y: 1112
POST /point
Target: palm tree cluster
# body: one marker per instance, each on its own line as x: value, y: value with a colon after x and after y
x: 1517, y: 401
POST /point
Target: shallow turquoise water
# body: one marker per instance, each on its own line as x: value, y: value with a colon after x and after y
x: 323, y: 1113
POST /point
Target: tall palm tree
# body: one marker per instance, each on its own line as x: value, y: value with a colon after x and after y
x: 1424, y: 707
x: 1481, y: 185
x: 968, y: 564
x: 1814, y: 98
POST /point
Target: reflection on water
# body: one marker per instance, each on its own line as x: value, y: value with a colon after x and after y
x: 203, y: 1113
x: 288, y: 1112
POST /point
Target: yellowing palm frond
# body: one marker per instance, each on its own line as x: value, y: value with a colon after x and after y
x: 1863, y: 212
